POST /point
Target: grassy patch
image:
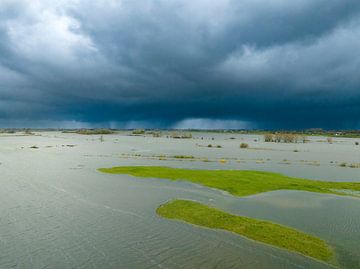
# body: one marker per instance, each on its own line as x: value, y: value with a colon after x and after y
x: 263, y: 231
x: 236, y: 182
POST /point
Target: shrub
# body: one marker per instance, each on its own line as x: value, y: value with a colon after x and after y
x: 354, y: 165
x: 181, y: 135
x: 94, y: 131
x: 284, y: 138
x: 303, y: 138
x: 244, y: 145
x: 7, y: 131
x: 278, y: 138
x: 28, y: 132
x: 289, y: 138
x: 357, y: 143
x: 138, y: 132
x: 156, y: 134
x: 269, y: 137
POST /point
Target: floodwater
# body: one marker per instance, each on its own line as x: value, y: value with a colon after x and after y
x: 58, y: 211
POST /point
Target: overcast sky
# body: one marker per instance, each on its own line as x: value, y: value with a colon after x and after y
x: 180, y: 63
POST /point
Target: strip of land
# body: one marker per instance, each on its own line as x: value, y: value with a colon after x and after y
x: 239, y: 182
x: 263, y: 231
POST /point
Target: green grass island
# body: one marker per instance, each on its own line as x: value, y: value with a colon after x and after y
x: 239, y: 182
x: 258, y: 230
x: 244, y: 183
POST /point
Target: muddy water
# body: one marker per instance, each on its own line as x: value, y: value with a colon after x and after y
x: 57, y: 211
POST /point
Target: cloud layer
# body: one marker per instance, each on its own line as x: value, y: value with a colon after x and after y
x: 160, y: 63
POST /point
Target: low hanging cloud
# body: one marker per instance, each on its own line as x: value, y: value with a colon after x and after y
x: 208, y: 124
x: 220, y: 64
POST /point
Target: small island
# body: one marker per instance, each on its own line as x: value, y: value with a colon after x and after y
x: 258, y: 230
x: 239, y: 182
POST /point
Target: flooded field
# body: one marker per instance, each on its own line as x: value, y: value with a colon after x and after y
x: 58, y: 211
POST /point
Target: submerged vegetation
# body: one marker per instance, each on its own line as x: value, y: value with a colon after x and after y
x: 155, y: 133
x: 181, y: 135
x: 262, y: 231
x: 7, y: 131
x: 34, y: 147
x: 138, y: 132
x: 284, y: 138
x: 211, y: 146
x: 351, y: 165
x: 93, y: 131
x: 184, y: 157
x: 244, y: 145
x: 237, y: 182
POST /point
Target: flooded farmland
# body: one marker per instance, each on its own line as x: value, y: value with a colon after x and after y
x: 58, y: 211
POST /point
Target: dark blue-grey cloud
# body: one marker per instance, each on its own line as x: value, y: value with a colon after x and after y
x: 277, y: 63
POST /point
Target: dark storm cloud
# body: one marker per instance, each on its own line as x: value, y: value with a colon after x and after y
x: 279, y: 63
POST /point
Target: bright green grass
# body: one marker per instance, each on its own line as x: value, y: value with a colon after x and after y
x: 238, y: 182
x: 263, y: 231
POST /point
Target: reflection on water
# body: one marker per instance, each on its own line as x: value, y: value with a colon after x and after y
x: 333, y: 218
x: 58, y: 217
